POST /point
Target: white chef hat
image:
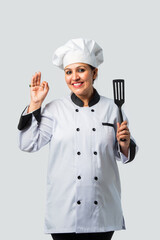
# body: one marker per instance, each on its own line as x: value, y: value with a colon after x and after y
x: 78, y: 50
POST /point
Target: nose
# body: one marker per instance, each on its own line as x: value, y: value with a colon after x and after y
x: 75, y: 76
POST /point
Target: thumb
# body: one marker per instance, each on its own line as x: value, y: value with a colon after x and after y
x: 44, y: 84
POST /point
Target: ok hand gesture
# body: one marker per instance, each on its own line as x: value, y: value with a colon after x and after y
x: 38, y: 92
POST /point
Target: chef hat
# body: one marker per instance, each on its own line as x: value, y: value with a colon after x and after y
x: 78, y: 50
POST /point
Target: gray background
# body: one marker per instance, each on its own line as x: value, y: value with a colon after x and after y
x: 128, y: 31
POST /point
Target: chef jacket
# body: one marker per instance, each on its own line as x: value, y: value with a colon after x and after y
x: 83, y: 183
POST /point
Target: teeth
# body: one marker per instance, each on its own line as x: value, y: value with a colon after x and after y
x: 77, y: 84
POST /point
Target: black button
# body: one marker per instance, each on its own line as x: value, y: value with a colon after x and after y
x: 96, y: 178
x: 78, y: 129
x: 77, y: 110
x: 95, y: 202
x: 92, y: 110
x: 78, y: 202
x: 79, y: 177
x: 93, y: 129
x: 95, y: 153
x: 78, y: 153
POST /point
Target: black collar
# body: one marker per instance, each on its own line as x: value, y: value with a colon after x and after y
x: 95, y: 99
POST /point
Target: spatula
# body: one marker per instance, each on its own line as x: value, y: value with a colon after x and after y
x: 119, y: 97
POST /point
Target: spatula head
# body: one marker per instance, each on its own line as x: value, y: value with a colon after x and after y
x: 118, y: 91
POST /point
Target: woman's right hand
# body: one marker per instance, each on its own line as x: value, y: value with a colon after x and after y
x: 38, y: 92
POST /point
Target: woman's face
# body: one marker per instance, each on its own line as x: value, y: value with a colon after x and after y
x: 79, y: 78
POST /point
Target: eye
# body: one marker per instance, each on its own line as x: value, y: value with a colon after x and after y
x: 81, y: 70
x: 68, y: 72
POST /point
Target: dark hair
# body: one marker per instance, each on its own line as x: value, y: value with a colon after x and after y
x: 92, y: 68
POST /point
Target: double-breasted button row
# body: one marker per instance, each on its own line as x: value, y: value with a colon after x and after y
x: 95, y: 178
x: 77, y: 110
x: 79, y: 153
x: 79, y: 202
x: 78, y: 129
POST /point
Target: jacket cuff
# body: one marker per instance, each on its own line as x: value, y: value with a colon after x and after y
x: 26, y: 120
x: 132, y: 150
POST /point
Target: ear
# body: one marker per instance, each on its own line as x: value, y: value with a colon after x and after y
x: 95, y: 73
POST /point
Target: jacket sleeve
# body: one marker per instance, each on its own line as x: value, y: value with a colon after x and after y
x: 133, y: 149
x: 35, y: 130
x: 26, y: 119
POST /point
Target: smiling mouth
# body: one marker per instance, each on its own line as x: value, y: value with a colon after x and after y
x: 77, y: 84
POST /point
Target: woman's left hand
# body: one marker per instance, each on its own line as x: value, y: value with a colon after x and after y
x: 123, y: 133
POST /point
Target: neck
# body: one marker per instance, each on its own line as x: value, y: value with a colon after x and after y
x: 86, y: 98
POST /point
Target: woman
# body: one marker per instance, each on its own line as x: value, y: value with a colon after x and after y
x: 83, y: 132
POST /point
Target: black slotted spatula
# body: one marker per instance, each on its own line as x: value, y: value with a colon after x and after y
x: 119, y: 97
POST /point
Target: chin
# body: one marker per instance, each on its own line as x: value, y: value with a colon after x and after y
x: 78, y: 91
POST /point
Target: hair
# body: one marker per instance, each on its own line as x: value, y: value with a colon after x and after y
x: 92, y: 68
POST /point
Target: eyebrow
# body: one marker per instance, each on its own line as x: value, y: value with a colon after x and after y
x: 76, y: 67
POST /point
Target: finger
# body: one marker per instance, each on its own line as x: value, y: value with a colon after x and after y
x: 45, y: 86
x: 124, y: 123
x: 38, y: 78
x: 33, y: 81
x: 127, y: 133
x: 122, y: 128
x: 123, y: 136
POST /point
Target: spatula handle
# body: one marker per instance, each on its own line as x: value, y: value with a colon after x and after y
x: 120, y: 115
x: 121, y: 120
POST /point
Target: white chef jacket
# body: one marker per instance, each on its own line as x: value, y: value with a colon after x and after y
x: 83, y: 183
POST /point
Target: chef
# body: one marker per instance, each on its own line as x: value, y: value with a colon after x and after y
x: 83, y: 133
